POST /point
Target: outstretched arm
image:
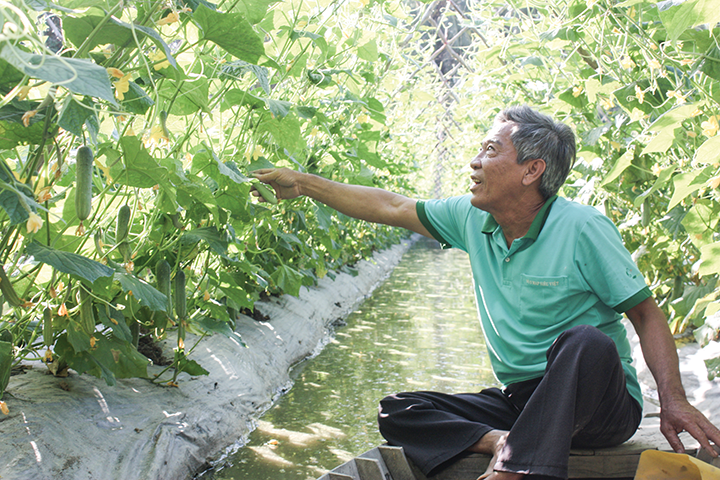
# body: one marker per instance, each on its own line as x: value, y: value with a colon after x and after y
x: 676, y: 413
x: 366, y: 203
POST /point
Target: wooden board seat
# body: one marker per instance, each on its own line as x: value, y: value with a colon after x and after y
x: 390, y: 463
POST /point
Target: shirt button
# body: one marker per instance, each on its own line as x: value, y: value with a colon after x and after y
x: 507, y: 259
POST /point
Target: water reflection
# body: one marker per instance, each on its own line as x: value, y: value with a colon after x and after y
x: 418, y: 331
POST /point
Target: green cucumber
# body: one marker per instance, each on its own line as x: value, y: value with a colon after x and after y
x: 266, y: 192
x: 123, y: 223
x: 47, y: 327
x: 87, y: 316
x: 179, y: 297
x: 83, y: 182
x: 162, y: 276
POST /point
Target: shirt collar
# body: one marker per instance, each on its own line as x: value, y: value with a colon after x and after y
x: 538, y: 222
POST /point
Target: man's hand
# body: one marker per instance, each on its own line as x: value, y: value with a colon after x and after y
x: 676, y: 413
x: 677, y: 416
x: 284, y: 181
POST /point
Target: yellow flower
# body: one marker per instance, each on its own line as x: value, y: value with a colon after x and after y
x: 314, y: 132
x: 656, y: 169
x: 4, y: 408
x: 640, y: 94
x: 577, y: 91
x: 48, y: 356
x: 607, y: 103
x: 23, y: 92
x: 654, y: 64
x: 363, y: 118
x: 616, y: 31
x: 157, y: 58
x: 686, y: 61
x: 45, y: 194
x: 691, y: 134
x: 627, y: 63
x: 615, y: 145
x: 696, y: 112
x: 27, y: 116
x: 115, y: 72
x: 62, y: 311
x: 710, y: 127
x: 206, y: 296
x: 714, y: 182
x: 171, y: 17
x: 679, y: 97
x: 122, y: 86
x: 92, y: 342
x: 34, y: 223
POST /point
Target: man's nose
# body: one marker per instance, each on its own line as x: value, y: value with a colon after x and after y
x: 476, y: 162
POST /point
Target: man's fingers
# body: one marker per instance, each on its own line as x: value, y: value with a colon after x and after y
x: 672, y: 437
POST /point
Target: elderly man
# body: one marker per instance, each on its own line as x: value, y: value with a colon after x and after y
x: 552, y: 280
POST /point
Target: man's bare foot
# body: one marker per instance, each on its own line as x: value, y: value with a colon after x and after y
x: 491, y: 444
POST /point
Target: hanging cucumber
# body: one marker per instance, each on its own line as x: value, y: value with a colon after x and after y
x: 83, y: 182
x: 162, y: 275
x: 123, y: 223
x: 180, y: 306
x: 8, y: 291
x: 87, y: 316
x: 266, y: 192
x: 47, y: 327
x: 646, y: 213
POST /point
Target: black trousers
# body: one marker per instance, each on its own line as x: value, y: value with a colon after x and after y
x: 581, y: 401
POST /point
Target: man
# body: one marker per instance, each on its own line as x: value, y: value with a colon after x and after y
x: 552, y: 279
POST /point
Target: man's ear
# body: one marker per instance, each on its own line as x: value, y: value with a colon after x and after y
x: 534, y: 170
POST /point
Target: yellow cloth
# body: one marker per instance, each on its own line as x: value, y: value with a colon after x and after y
x: 656, y: 465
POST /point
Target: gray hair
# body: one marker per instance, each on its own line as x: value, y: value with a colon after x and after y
x: 539, y: 136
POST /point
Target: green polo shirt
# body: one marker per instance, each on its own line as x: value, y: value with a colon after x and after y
x: 570, y: 269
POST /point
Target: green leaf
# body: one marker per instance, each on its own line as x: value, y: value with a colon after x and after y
x: 145, y: 293
x: 191, y: 367
x: 621, y: 164
x: 187, y: 97
x: 230, y: 286
x: 709, y: 151
x: 687, y: 183
x: 106, y: 315
x: 713, y: 367
x: 231, y: 32
x: 214, y: 238
x: 287, y: 279
x: 136, y: 100
x: 12, y: 130
x: 677, y: 18
x: 235, y: 96
x: 659, y: 183
x: 238, y: 68
x: 15, y: 197
x: 77, y: 336
x: 6, y: 361
x: 711, y: 65
x: 279, y: 108
x: 255, y: 10
x: 77, y: 75
x: 74, y: 115
x: 111, y: 358
x: 141, y: 169
x: 286, y: 131
x: 10, y: 77
x: 710, y: 255
x: 211, y: 325
x: 368, y: 51
x: 78, y: 29
x: 68, y: 262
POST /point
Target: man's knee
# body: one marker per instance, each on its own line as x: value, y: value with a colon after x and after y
x: 582, y: 340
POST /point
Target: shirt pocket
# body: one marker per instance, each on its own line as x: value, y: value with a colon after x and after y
x: 543, y: 300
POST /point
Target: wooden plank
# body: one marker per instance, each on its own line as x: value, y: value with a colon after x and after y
x: 705, y: 456
x: 369, y: 469
x: 375, y: 454
x: 396, y: 463
x: 468, y: 468
x: 603, y: 466
x: 339, y: 476
x: 348, y: 468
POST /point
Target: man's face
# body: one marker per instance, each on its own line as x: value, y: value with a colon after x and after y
x: 496, y: 175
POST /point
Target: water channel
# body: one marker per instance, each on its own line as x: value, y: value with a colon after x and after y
x: 418, y: 331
